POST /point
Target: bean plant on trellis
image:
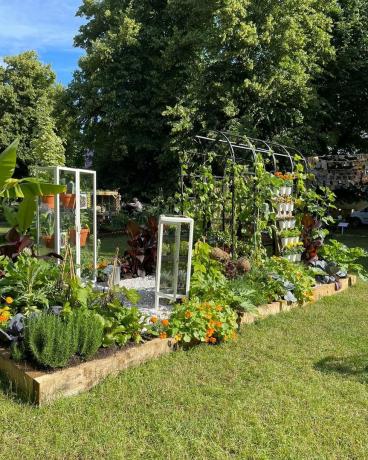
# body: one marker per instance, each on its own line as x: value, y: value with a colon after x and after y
x: 239, y: 195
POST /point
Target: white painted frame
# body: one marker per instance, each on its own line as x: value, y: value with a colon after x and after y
x: 77, y: 172
x: 177, y: 221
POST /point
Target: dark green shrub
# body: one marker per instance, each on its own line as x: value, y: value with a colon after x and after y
x: 89, y: 330
x: 50, y: 340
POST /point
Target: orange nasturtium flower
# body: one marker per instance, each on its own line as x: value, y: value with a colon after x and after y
x: 212, y: 340
x: 163, y: 335
x: 210, y: 332
x: 4, y: 315
x: 153, y: 319
x: 188, y: 314
x: 218, y: 324
x: 9, y: 300
x: 165, y: 322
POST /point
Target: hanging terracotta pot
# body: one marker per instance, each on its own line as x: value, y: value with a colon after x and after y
x: 49, y: 200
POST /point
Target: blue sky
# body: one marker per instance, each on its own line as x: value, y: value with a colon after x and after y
x: 47, y: 26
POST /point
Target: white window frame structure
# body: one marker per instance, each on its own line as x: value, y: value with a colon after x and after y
x: 56, y: 170
x: 178, y: 221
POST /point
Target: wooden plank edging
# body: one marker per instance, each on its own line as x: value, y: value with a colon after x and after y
x: 41, y: 387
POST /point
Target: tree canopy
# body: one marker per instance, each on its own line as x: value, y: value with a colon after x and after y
x: 27, y: 95
x: 158, y: 70
x: 343, y: 87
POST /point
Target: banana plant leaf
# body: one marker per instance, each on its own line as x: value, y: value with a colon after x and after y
x: 8, y: 160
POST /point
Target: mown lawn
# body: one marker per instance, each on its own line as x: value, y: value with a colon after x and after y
x: 293, y: 386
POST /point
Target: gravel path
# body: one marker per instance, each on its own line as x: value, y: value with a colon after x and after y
x: 146, y: 288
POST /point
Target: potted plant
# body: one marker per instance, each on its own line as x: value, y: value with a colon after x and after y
x: 68, y: 198
x: 47, y: 225
x: 84, y: 231
x: 49, y: 201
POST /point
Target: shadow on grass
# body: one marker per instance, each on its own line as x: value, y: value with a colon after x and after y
x: 351, y: 367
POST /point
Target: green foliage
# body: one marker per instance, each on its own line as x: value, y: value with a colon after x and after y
x: 17, y: 352
x: 209, y: 199
x: 346, y: 258
x: 121, y: 324
x: 89, y: 328
x: 195, y: 321
x: 261, y: 287
x: 53, y: 340
x: 243, y: 65
x: 300, y: 277
x: 30, y: 282
x: 27, y: 98
x: 207, y: 279
x: 342, y: 97
x: 50, y: 340
x: 208, y: 283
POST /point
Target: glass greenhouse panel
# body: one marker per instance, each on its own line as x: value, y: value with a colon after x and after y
x: 175, y: 241
x: 87, y: 223
x: 69, y: 219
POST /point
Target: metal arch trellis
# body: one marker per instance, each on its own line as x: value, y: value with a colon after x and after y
x: 238, y: 149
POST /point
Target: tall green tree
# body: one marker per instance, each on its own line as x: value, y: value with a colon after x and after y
x: 157, y: 71
x: 27, y: 97
x: 342, y: 122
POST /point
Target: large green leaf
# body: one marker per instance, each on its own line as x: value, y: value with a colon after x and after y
x: 26, y: 213
x: 8, y: 161
x: 40, y: 188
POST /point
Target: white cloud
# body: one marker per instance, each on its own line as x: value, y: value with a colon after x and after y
x: 37, y: 24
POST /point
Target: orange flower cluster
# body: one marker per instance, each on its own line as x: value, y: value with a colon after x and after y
x: 4, y: 314
x: 165, y: 322
x: 153, y: 319
x: 188, y: 314
x: 282, y: 176
x: 163, y: 335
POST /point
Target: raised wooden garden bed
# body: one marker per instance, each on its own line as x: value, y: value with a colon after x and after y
x: 43, y: 387
x: 320, y: 291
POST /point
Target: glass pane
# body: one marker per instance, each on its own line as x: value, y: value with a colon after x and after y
x: 67, y: 229
x: 87, y: 228
x: 174, y: 258
x: 46, y: 214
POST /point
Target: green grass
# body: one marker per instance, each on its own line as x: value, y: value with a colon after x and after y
x: 293, y: 386
x: 110, y: 243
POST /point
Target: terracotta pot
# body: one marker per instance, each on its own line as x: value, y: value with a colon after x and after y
x: 48, y: 241
x: 68, y: 200
x: 84, y: 233
x: 49, y: 200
